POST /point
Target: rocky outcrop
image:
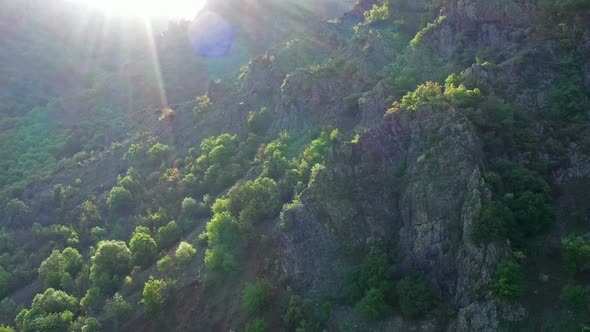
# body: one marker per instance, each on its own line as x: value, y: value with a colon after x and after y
x: 514, y: 12
x: 414, y: 182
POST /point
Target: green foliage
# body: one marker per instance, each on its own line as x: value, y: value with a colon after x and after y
x: 509, y: 281
x: 185, y: 253
x: 372, y: 305
x: 92, y: 325
x: 574, y: 299
x: 494, y: 222
x: 110, y: 264
x: 117, y: 310
x: 254, y: 201
x: 259, y: 122
x: 427, y: 93
x: 256, y: 297
x: 59, y: 269
x: 190, y: 207
x: 221, y: 257
x: 522, y: 210
x: 166, y: 265
x: 168, y: 235
x: 576, y: 253
x: 220, y: 161
x: 153, y: 297
x: 377, y: 14
x: 4, y: 328
x: 159, y: 153
x: 418, y: 39
x: 16, y: 211
x: 143, y: 249
x: 415, y: 296
x: 569, y: 100
x: 275, y: 163
x: 376, y: 272
x: 259, y: 325
x: 304, y: 315
x: 120, y: 200
x: 223, y: 229
x: 93, y: 300
x: 51, y: 311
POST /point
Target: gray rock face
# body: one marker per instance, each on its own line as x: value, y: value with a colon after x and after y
x: 414, y: 182
x: 501, y: 11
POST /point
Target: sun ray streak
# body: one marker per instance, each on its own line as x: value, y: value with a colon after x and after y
x: 155, y: 60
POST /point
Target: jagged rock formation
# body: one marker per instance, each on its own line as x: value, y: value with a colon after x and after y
x: 415, y: 182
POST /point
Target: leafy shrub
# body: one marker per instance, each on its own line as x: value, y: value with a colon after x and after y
x: 51, y: 311
x: 574, y: 299
x: 427, y: 93
x: 91, y: 325
x: 254, y: 201
x: 377, y: 14
x: 428, y: 29
x: 256, y: 297
x: 509, y: 281
x: 372, y: 305
x: 221, y: 257
x: 168, y: 235
x: 415, y: 296
x: 153, y: 297
x: 185, y: 253
x: 158, y: 153
x: 259, y: 122
x: 110, y: 264
x: 117, y: 310
x: 258, y: 325
x: 143, y: 249
x: 576, y: 253
x: 59, y: 269
x: 165, y: 265
x: 493, y: 224
x: 120, y: 199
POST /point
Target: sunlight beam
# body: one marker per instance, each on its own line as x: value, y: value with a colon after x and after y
x: 148, y: 8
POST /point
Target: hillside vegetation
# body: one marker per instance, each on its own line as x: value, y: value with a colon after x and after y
x: 403, y: 166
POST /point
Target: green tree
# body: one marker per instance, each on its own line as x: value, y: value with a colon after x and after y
x: 117, y: 310
x: 158, y: 153
x: 153, y: 297
x: 576, y: 253
x: 509, y: 281
x: 259, y: 325
x: 256, y: 297
x: 168, y: 235
x: 91, y: 325
x: 185, y: 253
x: 377, y: 14
x: 372, y: 305
x: 166, y: 265
x: 494, y: 223
x: 190, y: 207
x: 144, y: 249
x: 52, y: 272
x: 51, y: 311
x: 415, y: 296
x: 73, y: 261
x: 110, y: 264
x: 574, y: 299
x: 120, y: 200
x: 93, y: 300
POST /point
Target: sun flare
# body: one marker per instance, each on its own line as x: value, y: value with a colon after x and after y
x: 148, y: 8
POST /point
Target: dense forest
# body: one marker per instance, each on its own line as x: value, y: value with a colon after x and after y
x: 274, y: 165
